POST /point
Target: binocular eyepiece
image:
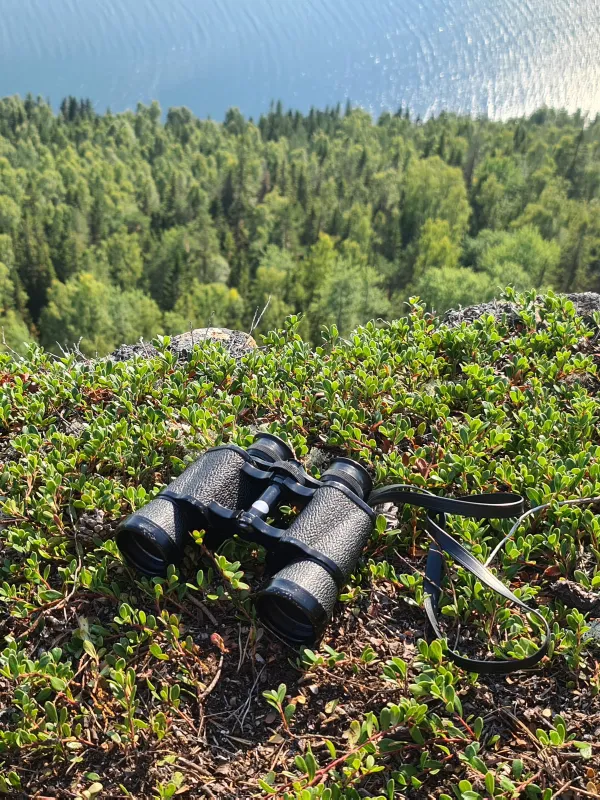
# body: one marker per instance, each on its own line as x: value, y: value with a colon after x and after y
x: 230, y: 491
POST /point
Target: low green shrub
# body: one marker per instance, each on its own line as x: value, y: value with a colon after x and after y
x: 115, y: 685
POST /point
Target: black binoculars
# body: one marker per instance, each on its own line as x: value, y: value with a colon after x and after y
x: 229, y: 492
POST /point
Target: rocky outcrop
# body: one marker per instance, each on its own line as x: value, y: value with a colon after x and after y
x: 237, y: 343
x: 585, y: 303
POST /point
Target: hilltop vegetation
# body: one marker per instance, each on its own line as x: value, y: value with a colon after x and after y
x: 117, y: 226
x: 112, y: 686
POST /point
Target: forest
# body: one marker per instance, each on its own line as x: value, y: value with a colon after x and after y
x: 120, y: 226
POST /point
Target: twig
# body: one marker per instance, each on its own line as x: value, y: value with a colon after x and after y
x: 256, y: 322
x: 214, y: 681
x: 196, y: 768
x: 245, y: 707
x: 204, y: 610
x: 522, y: 786
x: 8, y: 347
x: 60, y: 602
x: 522, y: 725
x: 246, y: 648
x: 237, y: 739
x: 276, y: 757
x: 340, y: 760
x: 562, y: 788
x: 585, y: 793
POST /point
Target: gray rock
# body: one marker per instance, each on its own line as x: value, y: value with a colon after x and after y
x: 594, y: 632
x: 585, y: 303
x: 576, y: 596
x: 496, y: 308
x: 237, y: 343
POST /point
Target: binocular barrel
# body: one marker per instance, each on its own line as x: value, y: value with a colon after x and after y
x: 299, y: 600
x: 229, y: 489
x: 155, y: 536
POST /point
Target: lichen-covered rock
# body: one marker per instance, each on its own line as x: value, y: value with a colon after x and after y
x: 585, y: 303
x: 237, y: 342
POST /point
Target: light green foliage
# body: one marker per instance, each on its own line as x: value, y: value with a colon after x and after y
x: 123, y: 254
x: 10, y: 215
x: 349, y: 294
x: 134, y: 316
x: 498, y: 192
x: 203, y: 305
x: 14, y: 334
x: 98, y: 314
x: 435, y: 190
x: 79, y: 309
x: 100, y: 667
x: 437, y: 247
x: 7, y: 290
x: 521, y: 259
x: 525, y: 251
x: 331, y: 215
x: 272, y: 285
x: 451, y: 287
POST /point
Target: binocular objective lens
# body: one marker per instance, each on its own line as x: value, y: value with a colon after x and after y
x: 351, y: 475
x: 144, y: 554
x: 287, y: 619
x: 271, y: 448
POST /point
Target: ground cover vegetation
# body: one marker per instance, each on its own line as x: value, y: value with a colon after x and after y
x: 116, y: 686
x: 117, y: 226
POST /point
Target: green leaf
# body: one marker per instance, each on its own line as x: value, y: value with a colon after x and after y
x: 58, y: 684
x: 517, y: 768
x: 354, y: 732
x: 50, y: 710
x: 301, y: 765
x: 266, y: 788
x: 416, y: 735
x: 90, y: 649
x: 311, y: 764
x: 585, y: 749
x: 384, y: 719
x: 157, y: 652
x: 436, y: 652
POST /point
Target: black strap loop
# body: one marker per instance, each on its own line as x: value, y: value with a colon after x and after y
x: 484, y: 506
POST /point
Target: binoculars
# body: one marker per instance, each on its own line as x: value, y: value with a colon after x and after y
x: 230, y: 492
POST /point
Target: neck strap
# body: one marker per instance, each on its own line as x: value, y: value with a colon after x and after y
x: 484, y: 506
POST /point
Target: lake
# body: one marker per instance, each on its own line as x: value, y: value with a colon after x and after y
x: 498, y: 57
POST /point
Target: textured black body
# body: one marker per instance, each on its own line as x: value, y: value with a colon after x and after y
x: 315, y: 580
x: 299, y: 599
x: 332, y: 523
x: 167, y: 520
x: 161, y: 515
x: 217, y: 476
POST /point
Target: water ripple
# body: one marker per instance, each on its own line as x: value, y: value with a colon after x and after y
x: 502, y: 57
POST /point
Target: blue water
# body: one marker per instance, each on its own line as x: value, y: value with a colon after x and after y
x: 499, y: 57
